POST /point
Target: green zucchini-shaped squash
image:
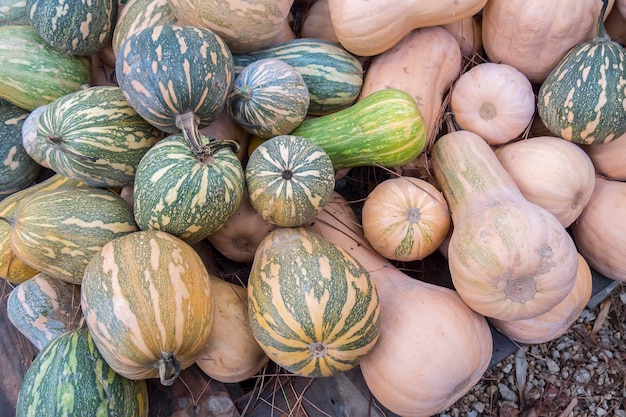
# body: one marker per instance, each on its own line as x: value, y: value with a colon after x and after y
x: 187, y: 194
x: 94, y: 136
x: 58, y: 231
x: 333, y: 75
x: 17, y: 170
x: 385, y: 128
x: 74, y: 27
x: 176, y: 77
x: 43, y: 307
x: 13, y: 12
x: 583, y: 99
x: 289, y: 180
x: 33, y: 73
x: 313, y: 308
x: 69, y: 377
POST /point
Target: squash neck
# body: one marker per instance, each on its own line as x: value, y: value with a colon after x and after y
x: 601, y: 35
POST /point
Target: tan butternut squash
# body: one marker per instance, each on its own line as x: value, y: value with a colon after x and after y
x: 609, y: 159
x: 317, y: 24
x: 468, y: 33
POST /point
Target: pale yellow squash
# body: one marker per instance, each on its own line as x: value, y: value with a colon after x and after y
x: 609, y: 159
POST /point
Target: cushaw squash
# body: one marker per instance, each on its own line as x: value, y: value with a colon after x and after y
x: 509, y: 259
x: 432, y: 347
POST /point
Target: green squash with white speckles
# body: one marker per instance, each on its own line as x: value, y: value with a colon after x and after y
x: 69, y: 377
x: 583, y: 99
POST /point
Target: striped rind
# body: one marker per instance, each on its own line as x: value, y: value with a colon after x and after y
x: 33, y: 73
x: 69, y: 377
x: 144, y: 294
x: 29, y: 136
x: 293, y: 200
x: 583, y: 99
x: 385, y: 128
x: 333, y: 75
x: 178, y: 193
x: 269, y: 98
x: 304, y: 291
x: 13, y: 12
x: 59, y: 231
x: 99, y: 123
x: 168, y: 70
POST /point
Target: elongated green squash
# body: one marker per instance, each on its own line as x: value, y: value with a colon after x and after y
x: 13, y: 12
x: 385, y: 128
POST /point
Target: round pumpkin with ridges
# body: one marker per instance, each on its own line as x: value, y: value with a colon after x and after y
x: 70, y: 377
x: 313, y: 308
x: 148, y: 303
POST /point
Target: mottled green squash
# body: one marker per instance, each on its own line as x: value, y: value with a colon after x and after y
x: 13, y: 12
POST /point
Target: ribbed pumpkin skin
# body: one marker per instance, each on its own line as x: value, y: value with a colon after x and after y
x: 74, y: 28
x: 269, y: 98
x: 177, y: 192
x: 333, y: 76
x: 167, y: 70
x: 100, y: 125
x: 43, y: 308
x: 23, y: 53
x: 69, y: 377
x: 289, y: 179
x: 59, y: 231
x: 313, y: 308
x: 144, y: 295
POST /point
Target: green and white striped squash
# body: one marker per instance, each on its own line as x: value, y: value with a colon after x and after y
x: 43, y: 307
x: 333, y: 75
x: 69, y: 377
x: 385, y: 128
x: 29, y: 136
x: 313, y: 307
x: 147, y: 299
x: 17, y: 170
x: 269, y: 98
x: 59, y: 231
x: 95, y: 136
x: 176, y: 77
x: 13, y: 12
x: 74, y: 28
x: 583, y: 99
x: 187, y: 194
x: 289, y: 180
x: 12, y: 268
x: 33, y: 73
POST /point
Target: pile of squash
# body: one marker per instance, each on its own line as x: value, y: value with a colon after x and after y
x: 140, y: 138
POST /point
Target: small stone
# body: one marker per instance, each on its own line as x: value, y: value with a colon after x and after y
x: 601, y: 412
x: 553, y: 367
x: 507, y: 368
x: 472, y: 413
x: 620, y: 413
x: 479, y: 407
x: 506, y: 393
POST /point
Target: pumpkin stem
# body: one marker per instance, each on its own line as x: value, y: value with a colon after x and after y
x: 601, y: 33
x: 188, y: 123
x: 169, y: 368
x: 57, y: 143
x: 211, y: 144
x: 7, y: 220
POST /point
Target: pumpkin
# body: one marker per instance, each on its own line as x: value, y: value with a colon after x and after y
x: 551, y: 172
x: 186, y: 194
x: 269, y: 98
x: 491, y: 269
x: 316, y: 22
x: 582, y: 99
x: 70, y: 377
x: 468, y: 33
x: 13, y: 12
x: 495, y: 101
x: 405, y: 218
x: 313, y: 308
x: 231, y: 354
x: 368, y: 28
x: 599, y: 234
x: 147, y: 301
x: 534, y: 36
x: 289, y: 178
x: 418, y: 367
x: 609, y: 159
x: 424, y: 63
x: 555, y: 322
x: 29, y: 136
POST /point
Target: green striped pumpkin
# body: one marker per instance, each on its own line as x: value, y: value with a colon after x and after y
x: 583, y: 99
x: 289, y: 180
x: 69, y: 377
x: 33, y: 73
x: 385, y: 128
x: 269, y: 98
x: 59, y: 231
x: 43, y: 307
x: 313, y: 308
x: 73, y: 27
x: 186, y: 194
x: 29, y: 136
x: 176, y: 77
x: 94, y: 136
x: 147, y: 300
x: 333, y: 75
x: 13, y: 12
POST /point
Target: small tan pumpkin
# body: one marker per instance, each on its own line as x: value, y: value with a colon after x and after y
x: 609, y: 159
